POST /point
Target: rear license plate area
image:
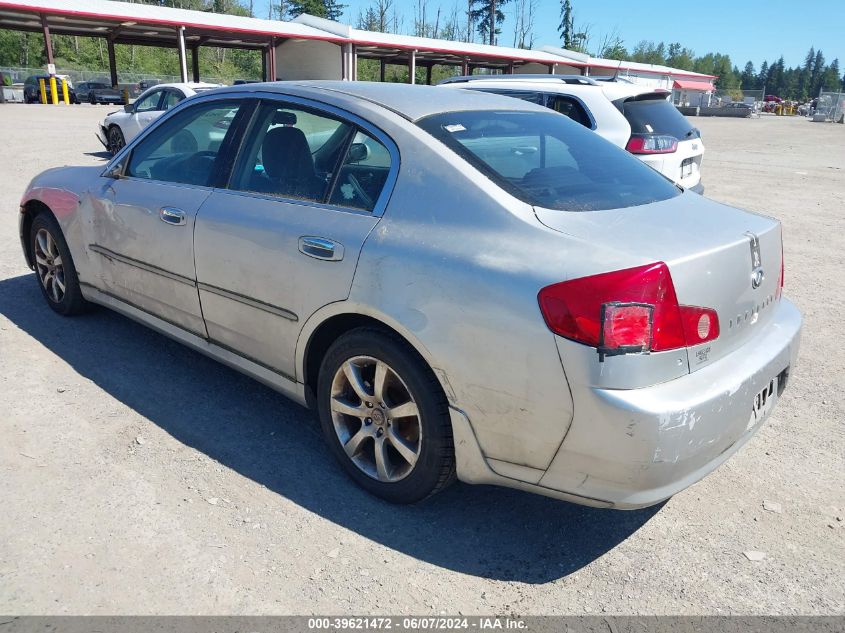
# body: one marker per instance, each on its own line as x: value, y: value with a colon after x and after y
x: 763, y: 403
x: 686, y: 167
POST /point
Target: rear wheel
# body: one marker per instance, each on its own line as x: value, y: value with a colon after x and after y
x: 54, y: 267
x: 385, y: 416
x: 115, y: 139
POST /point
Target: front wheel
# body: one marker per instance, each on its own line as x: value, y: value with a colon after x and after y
x: 115, y: 139
x: 54, y: 267
x: 385, y: 416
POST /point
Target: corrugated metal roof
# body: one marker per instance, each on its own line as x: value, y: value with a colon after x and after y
x: 155, y: 15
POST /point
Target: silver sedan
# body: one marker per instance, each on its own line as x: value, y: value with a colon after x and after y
x: 462, y: 285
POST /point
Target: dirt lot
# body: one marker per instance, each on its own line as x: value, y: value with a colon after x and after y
x: 141, y: 477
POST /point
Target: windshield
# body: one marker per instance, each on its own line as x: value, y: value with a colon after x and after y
x: 548, y: 160
x: 98, y: 86
x: 653, y: 114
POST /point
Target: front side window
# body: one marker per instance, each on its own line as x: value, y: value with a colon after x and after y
x: 549, y: 161
x: 148, y: 103
x: 185, y: 148
x: 171, y: 98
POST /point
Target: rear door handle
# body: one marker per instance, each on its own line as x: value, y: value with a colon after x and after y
x: 321, y: 248
x: 171, y: 215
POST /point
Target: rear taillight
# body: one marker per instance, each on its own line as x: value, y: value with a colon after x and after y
x: 626, y: 311
x: 652, y: 144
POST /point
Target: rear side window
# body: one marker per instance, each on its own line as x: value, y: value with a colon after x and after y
x: 570, y: 107
x: 549, y: 161
x: 564, y: 105
x: 653, y: 114
x: 531, y: 96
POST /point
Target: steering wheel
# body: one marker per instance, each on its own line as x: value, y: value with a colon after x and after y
x: 365, y: 197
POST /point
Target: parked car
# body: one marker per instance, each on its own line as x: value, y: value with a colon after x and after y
x: 146, y: 84
x: 461, y: 284
x: 639, y: 118
x: 122, y: 126
x: 744, y: 108
x: 95, y: 92
x: 32, y: 89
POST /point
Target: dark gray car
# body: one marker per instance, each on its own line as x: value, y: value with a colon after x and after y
x: 95, y: 92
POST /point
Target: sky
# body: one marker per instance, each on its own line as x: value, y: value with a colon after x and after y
x: 746, y: 30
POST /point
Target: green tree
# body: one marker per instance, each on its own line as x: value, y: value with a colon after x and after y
x: 748, y: 79
x: 489, y: 17
x: 680, y: 57
x: 334, y: 9
x: 311, y: 7
x: 567, y: 24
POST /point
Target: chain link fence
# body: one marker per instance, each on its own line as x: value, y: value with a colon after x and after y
x: 127, y: 79
x: 830, y: 106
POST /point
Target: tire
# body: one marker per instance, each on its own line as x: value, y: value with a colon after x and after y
x: 426, y: 436
x: 57, y: 268
x: 115, y: 139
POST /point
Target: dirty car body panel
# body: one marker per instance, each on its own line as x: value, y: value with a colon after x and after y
x: 450, y: 255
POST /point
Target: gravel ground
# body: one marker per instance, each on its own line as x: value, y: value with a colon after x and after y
x: 139, y: 477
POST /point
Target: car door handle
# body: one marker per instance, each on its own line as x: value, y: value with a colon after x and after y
x: 170, y: 215
x: 321, y: 248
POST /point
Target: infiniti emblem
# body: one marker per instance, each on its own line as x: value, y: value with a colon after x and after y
x: 757, y: 274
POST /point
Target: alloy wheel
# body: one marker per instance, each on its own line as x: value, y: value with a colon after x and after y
x: 49, y: 265
x: 115, y: 140
x: 376, y: 418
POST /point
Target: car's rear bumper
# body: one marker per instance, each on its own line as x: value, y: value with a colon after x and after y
x: 634, y: 448
x: 699, y: 188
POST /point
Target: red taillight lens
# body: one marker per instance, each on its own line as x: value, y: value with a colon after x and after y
x: 626, y: 326
x: 631, y: 310
x: 779, y: 290
x: 652, y: 144
x: 700, y: 324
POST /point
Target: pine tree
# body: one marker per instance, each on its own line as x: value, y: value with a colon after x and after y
x: 334, y: 9
x: 763, y: 77
x: 311, y: 7
x: 488, y: 15
x: 748, y: 80
x: 567, y: 24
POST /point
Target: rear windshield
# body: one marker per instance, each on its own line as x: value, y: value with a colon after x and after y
x: 548, y: 160
x: 655, y: 115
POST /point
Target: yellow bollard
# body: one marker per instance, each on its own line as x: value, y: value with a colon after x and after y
x: 65, y: 92
x: 126, y: 96
x: 43, y: 90
x: 53, y: 90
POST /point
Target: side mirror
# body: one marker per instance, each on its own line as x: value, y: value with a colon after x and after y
x: 129, y: 108
x: 358, y: 152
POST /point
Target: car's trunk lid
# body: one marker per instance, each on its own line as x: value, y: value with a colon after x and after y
x: 708, y: 249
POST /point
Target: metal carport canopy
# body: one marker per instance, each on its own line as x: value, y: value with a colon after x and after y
x: 150, y: 25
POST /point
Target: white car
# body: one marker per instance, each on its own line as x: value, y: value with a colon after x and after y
x: 122, y: 126
x: 638, y: 118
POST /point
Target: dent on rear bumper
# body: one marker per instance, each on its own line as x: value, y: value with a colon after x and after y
x: 637, y: 447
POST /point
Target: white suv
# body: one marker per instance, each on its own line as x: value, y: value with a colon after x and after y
x: 638, y: 118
